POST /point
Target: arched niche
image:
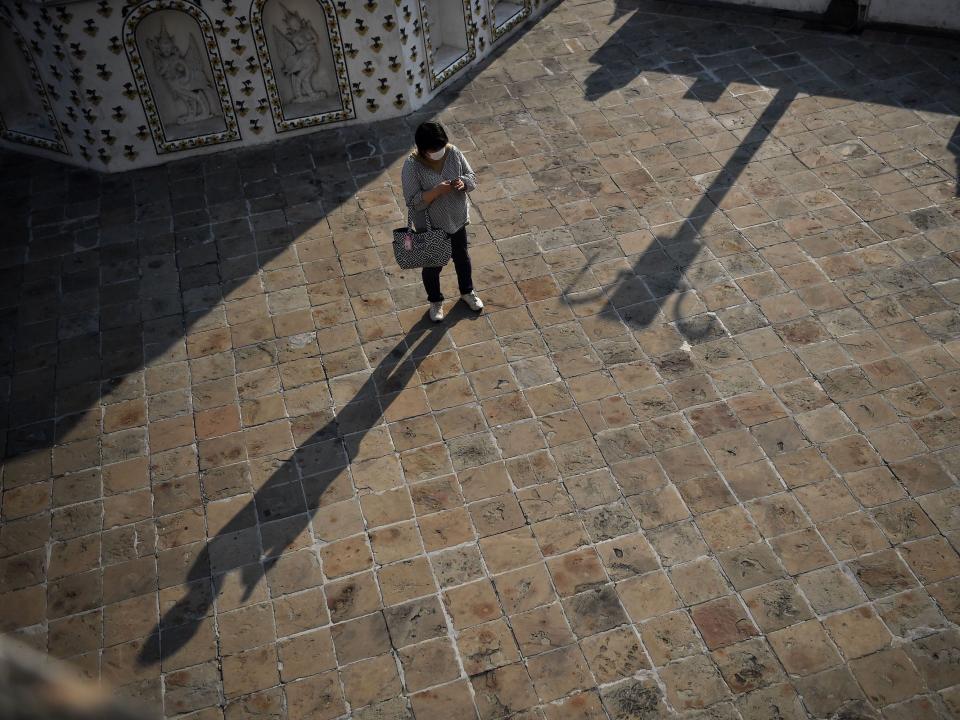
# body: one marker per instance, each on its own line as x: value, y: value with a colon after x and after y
x: 507, y: 14
x: 301, y: 55
x: 26, y: 115
x: 449, y: 37
x: 179, y: 73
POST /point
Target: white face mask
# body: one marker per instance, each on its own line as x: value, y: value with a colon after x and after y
x: 438, y: 155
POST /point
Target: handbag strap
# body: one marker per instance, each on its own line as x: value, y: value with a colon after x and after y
x: 426, y: 214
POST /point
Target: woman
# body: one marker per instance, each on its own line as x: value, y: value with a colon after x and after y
x: 436, y: 179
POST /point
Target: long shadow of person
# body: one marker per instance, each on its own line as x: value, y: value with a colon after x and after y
x: 293, y: 492
x: 639, y: 45
x: 124, y: 293
x: 955, y: 149
x: 663, y: 265
x: 641, y: 294
x: 658, y: 274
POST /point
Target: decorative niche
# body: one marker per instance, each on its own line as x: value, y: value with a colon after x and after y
x: 302, y: 58
x: 507, y: 14
x: 26, y: 115
x: 179, y: 73
x: 449, y: 37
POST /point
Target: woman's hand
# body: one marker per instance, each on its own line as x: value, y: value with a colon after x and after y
x: 439, y: 189
x: 458, y: 184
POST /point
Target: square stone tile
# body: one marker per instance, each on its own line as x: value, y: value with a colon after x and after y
x: 887, y: 676
x: 699, y: 581
x: 857, y: 632
x: 694, y: 682
x: 804, y: 648
x: 505, y: 689
x: 541, y: 630
x: 415, y: 621
x: 614, y: 655
x: 319, y: 694
x: 472, y: 604
x: 669, y: 637
x: 830, y: 690
x: 429, y: 663
x: 487, y: 646
x: 525, y: 588
x: 722, y: 622
x: 370, y: 680
x: 559, y: 673
x: 647, y: 596
x: 748, y: 665
x: 453, y: 699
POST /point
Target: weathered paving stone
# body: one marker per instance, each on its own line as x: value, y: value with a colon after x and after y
x: 633, y: 699
x: 697, y: 457
x: 748, y: 665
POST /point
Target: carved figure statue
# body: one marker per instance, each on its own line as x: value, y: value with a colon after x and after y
x: 184, y: 74
x: 299, y: 46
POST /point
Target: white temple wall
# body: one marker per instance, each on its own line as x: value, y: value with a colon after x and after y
x: 114, y: 87
x: 936, y: 14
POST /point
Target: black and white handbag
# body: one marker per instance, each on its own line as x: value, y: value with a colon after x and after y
x: 429, y: 248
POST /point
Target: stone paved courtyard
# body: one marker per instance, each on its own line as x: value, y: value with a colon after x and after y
x: 698, y: 458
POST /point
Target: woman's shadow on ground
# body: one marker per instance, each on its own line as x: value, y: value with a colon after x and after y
x: 955, y: 149
x: 294, y: 492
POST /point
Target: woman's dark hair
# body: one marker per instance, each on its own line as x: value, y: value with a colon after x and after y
x: 430, y: 137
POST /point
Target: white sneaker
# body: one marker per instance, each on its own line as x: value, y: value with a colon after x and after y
x: 472, y: 301
x: 436, y: 311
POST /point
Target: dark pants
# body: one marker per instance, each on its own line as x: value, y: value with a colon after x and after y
x: 461, y: 263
